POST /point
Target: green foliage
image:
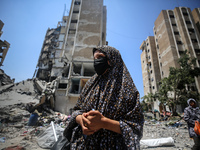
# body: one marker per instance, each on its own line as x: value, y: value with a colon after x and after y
x: 144, y: 105
x: 178, y: 81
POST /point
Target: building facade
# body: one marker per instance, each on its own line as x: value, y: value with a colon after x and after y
x: 4, y: 46
x: 174, y: 32
x: 66, y: 54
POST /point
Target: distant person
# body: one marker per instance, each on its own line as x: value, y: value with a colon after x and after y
x: 191, y: 114
x: 108, y: 114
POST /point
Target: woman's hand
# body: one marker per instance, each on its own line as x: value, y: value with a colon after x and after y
x: 94, y: 120
x: 83, y: 122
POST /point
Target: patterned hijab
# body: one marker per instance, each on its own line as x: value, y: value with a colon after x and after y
x: 113, y: 93
x: 115, y: 96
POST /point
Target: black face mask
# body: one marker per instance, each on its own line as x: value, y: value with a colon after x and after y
x: 101, y: 65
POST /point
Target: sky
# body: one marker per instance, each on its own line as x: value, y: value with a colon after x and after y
x: 129, y: 23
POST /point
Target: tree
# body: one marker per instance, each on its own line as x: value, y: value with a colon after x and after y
x: 163, y: 93
x: 144, y: 106
x: 178, y: 81
x: 149, y: 99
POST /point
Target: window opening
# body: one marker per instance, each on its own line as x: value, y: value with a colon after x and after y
x: 194, y: 40
x: 77, y: 3
x: 191, y: 30
x: 187, y: 22
x: 179, y: 42
x: 176, y: 32
x: 89, y: 71
x: 62, y: 86
x: 197, y: 51
x: 75, y: 11
x: 75, y: 86
x: 77, y: 69
x: 74, y: 21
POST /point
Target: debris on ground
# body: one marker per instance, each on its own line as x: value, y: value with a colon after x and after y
x: 26, y: 116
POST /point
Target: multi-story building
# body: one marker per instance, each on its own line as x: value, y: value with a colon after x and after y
x: 196, y: 16
x: 174, y: 32
x: 66, y: 54
x: 4, y: 46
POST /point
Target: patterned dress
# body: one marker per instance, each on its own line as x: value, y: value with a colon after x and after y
x: 115, y: 96
x: 190, y: 116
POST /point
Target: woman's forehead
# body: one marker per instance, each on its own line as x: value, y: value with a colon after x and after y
x: 98, y: 52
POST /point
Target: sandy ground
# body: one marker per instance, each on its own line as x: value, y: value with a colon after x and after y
x: 14, y: 118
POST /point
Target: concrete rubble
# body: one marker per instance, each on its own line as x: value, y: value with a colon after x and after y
x: 21, y: 100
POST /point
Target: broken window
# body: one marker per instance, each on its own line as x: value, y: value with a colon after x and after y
x: 75, y: 86
x: 77, y: 69
x: 62, y: 85
x: 65, y: 71
x: 74, y: 21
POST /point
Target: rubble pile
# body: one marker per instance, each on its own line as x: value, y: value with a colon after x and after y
x: 177, y: 129
x: 5, y: 79
x: 22, y: 92
x: 18, y: 102
x: 20, y: 127
x: 14, y: 129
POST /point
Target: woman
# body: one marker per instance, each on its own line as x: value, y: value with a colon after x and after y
x: 191, y: 114
x: 108, y: 113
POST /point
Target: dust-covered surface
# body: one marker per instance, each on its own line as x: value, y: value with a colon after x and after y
x: 15, y: 103
x: 16, y: 99
x: 177, y: 129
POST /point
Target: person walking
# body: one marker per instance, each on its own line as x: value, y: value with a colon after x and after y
x: 191, y: 114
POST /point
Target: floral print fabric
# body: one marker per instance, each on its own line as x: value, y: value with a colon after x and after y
x: 115, y: 96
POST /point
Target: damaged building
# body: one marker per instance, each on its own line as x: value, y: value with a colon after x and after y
x: 174, y: 32
x: 4, y: 46
x: 66, y: 55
